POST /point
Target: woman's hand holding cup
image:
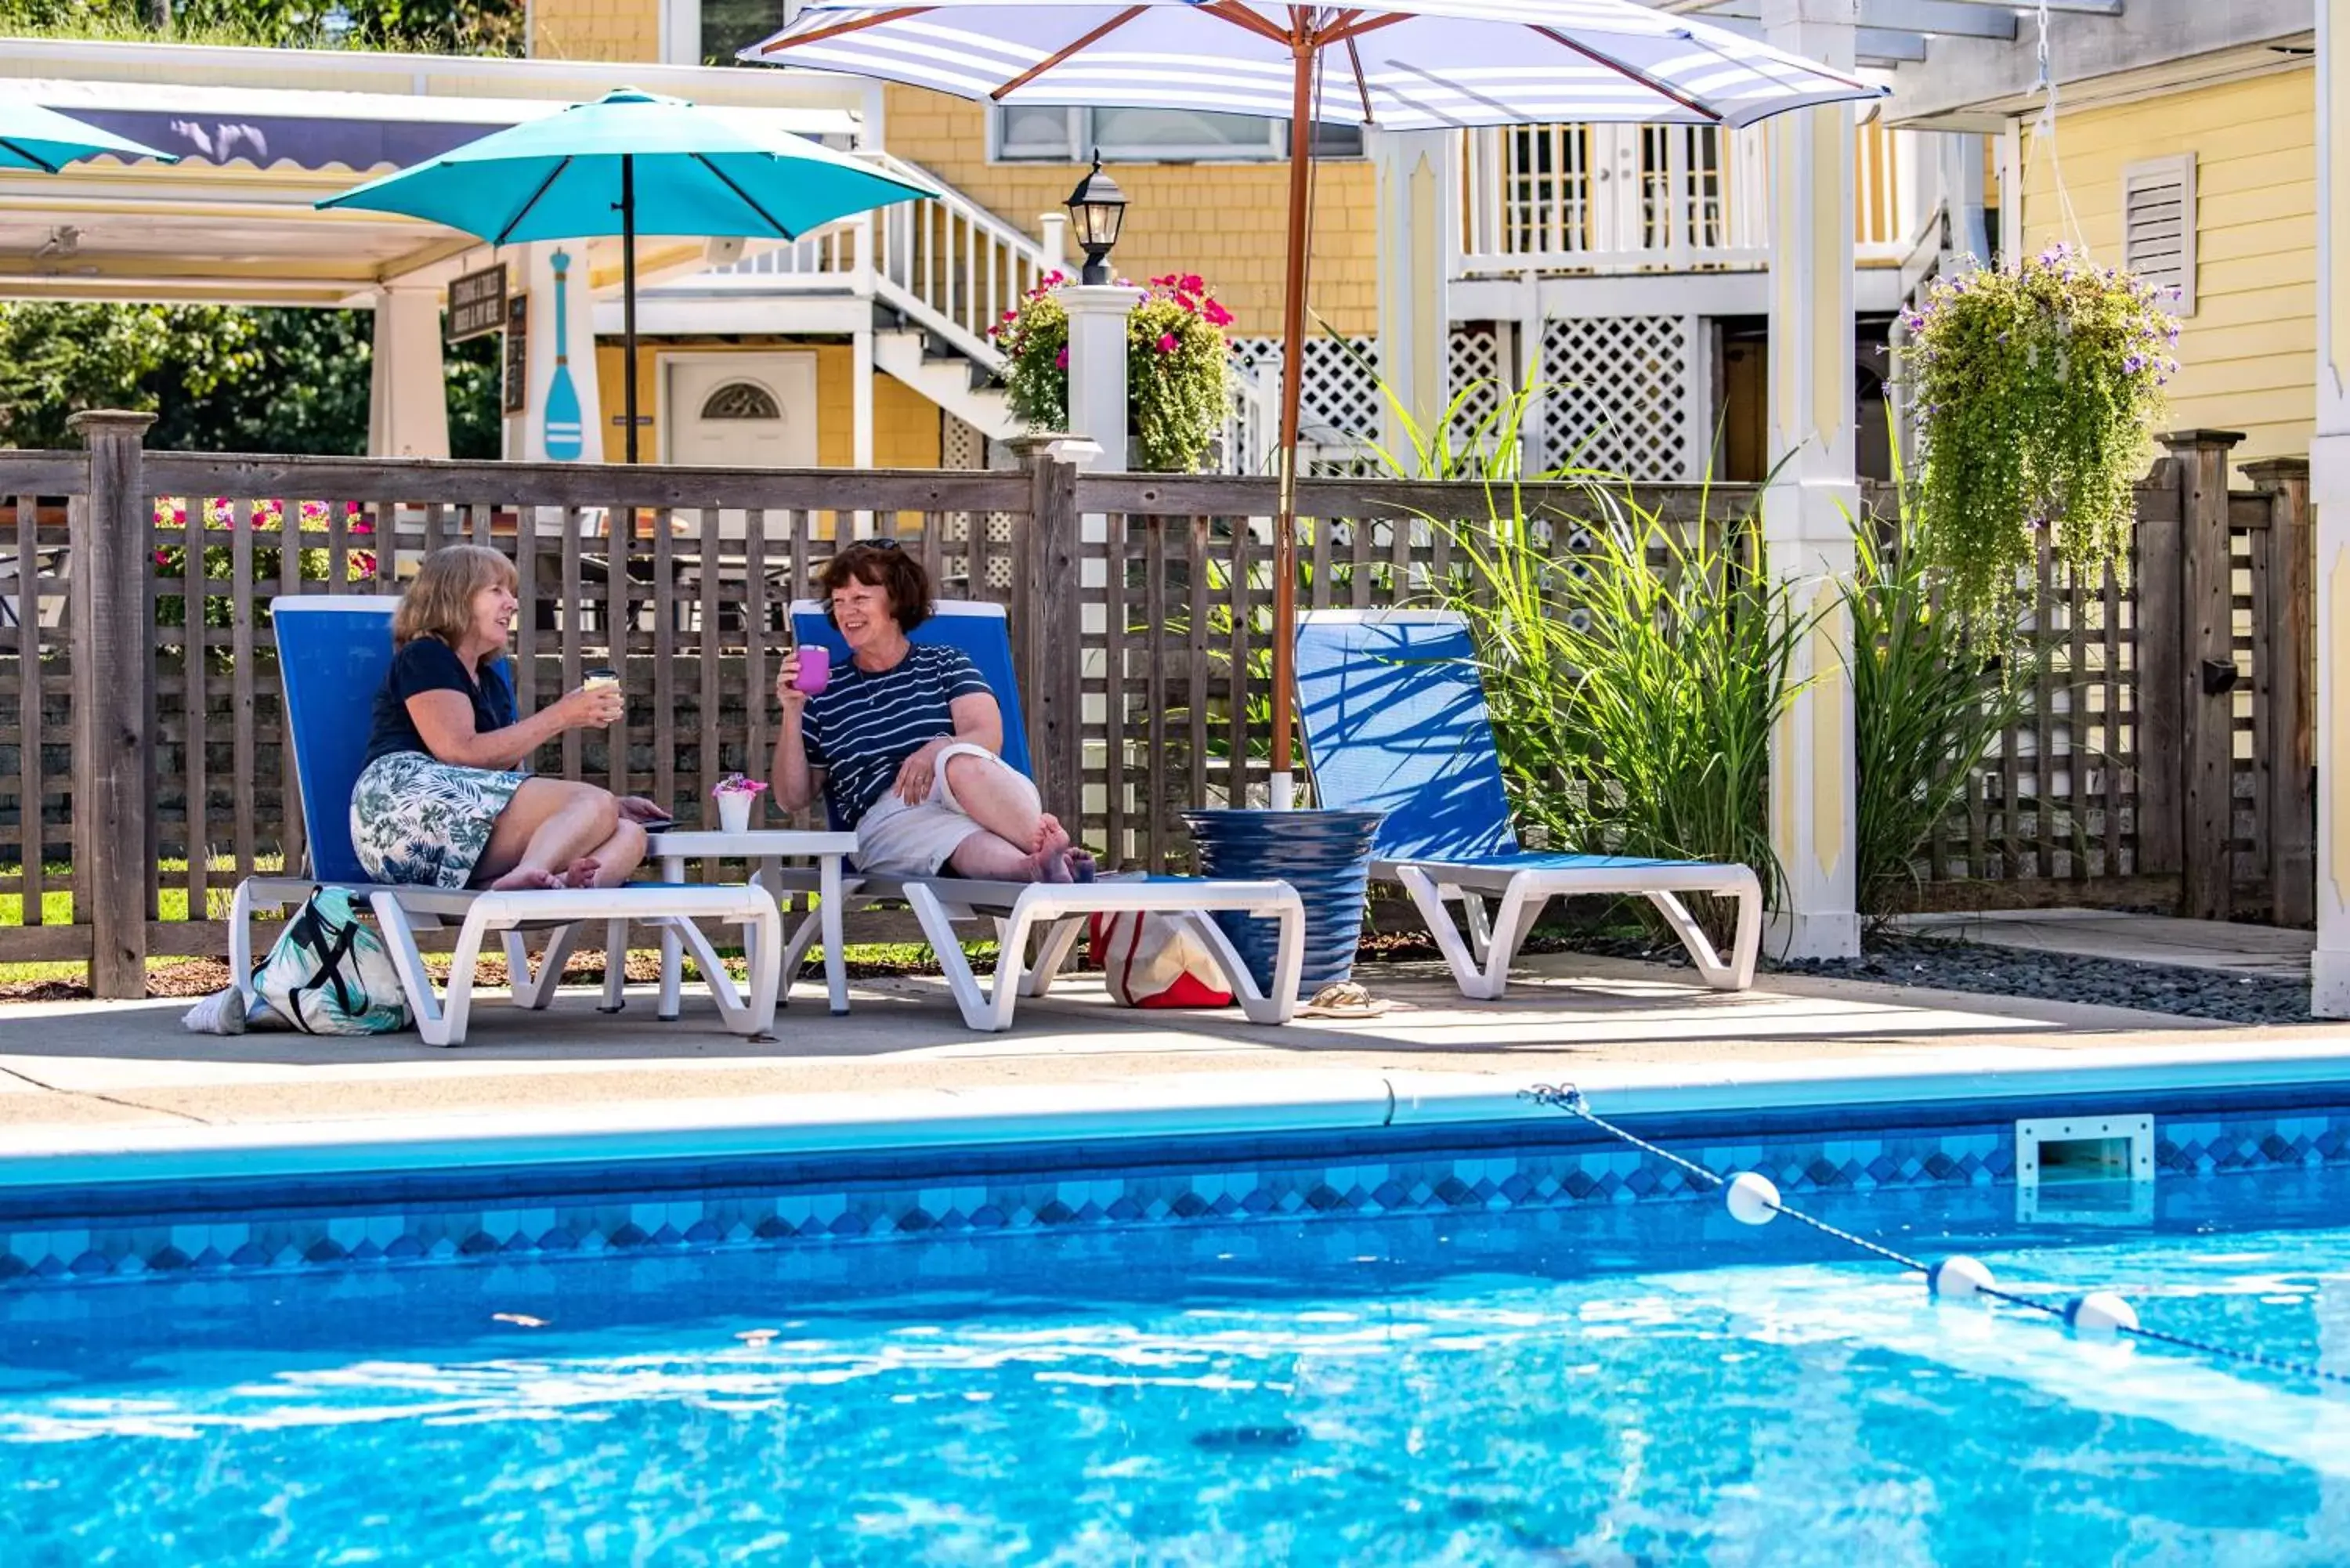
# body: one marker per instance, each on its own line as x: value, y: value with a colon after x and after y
x: 597, y: 704
x: 806, y: 672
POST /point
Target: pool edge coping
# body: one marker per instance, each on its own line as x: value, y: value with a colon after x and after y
x: 1111, y: 1109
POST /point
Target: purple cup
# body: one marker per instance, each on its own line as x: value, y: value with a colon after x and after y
x: 815, y: 672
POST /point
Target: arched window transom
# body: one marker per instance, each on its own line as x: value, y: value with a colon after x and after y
x: 740, y: 400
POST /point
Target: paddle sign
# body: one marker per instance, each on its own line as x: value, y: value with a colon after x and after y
x: 561, y: 432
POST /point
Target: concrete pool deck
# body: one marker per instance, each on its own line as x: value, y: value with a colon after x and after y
x: 84, y: 1077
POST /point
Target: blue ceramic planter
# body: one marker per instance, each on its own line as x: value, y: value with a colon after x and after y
x: 1325, y: 854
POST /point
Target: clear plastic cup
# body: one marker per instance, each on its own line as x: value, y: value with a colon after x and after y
x: 599, y: 678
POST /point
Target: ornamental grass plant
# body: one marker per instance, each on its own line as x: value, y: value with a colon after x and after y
x: 1634, y: 664
x: 1930, y: 701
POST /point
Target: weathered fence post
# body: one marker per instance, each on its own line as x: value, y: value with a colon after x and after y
x: 1049, y: 635
x: 112, y: 530
x: 2206, y: 639
x: 2288, y: 614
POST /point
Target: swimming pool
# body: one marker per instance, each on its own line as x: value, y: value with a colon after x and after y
x: 1564, y: 1381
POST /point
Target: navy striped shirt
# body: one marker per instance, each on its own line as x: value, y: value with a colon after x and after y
x: 863, y: 725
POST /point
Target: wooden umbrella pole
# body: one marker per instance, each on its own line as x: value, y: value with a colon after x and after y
x: 1293, y: 375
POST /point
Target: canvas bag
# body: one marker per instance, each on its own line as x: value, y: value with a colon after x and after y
x: 329, y: 974
x: 1150, y: 960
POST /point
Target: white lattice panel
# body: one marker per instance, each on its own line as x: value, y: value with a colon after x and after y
x: 1623, y: 396
x: 1342, y: 401
x: 1476, y: 369
x: 959, y: 444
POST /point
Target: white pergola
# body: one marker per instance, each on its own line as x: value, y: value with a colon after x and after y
x: 264, y: 133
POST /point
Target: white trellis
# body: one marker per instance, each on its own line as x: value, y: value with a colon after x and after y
x: 1341, y: 403
x: 1624, y: 394
x: 1478, y: 366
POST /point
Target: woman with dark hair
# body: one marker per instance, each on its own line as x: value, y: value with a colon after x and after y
x: 904, y: 741
x: 444, y: 799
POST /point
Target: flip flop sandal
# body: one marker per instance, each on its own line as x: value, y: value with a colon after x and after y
x: 1343, y: 999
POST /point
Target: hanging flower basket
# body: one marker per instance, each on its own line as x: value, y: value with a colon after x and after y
x: 1175, y: 368
x: 2035, y: 394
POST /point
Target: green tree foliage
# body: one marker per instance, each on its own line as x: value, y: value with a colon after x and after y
x: 219, y: 378
x: 440, y: 26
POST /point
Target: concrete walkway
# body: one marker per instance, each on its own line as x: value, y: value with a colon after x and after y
x: 2230, y: 947
x: 77, y: 1074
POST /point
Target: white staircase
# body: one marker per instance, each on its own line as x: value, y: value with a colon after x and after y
x: 935, y: 276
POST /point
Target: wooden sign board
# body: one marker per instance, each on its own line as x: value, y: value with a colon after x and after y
x: 477, y: 302
x: 518, y: 360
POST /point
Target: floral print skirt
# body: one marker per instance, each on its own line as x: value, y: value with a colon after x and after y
x: 423, y: 822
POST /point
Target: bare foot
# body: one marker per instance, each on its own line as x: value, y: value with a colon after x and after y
x: 581, y: 873
x: 1051, y: 866
x: 1051, y: 836
x: 525, y: 879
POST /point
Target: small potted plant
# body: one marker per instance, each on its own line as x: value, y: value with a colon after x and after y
x: 735, y: 794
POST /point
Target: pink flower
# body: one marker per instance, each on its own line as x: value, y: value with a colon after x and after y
x: 1061, y: 360
x: 1218, y: 316
x: 1167, y: 343
x: 1190, y: 283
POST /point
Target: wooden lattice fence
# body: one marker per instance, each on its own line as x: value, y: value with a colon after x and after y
x: 142, y: 769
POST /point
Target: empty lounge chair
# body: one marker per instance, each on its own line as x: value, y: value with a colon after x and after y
x: 1395, y: 720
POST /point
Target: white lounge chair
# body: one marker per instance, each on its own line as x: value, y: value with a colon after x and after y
x: 1019, y: 908
x: 332, y: 652
x: 1395, y: 720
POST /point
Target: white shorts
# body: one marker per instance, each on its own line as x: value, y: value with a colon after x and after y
x: 894, y: 839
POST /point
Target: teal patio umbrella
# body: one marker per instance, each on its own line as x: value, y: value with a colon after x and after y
x: 41, y: 138
x: 633, y: 162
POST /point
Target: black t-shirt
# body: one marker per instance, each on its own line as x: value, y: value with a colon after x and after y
x: 429, y: 664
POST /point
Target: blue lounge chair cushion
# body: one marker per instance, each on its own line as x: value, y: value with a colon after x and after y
x: 333, y: 653
x: 1395, y: 720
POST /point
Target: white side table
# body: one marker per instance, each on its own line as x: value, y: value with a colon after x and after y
x: 766, y: 848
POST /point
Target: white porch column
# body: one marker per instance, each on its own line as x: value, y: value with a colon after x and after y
x: 1418, y: 181
x: 1808, y: 508
x: 1962, y: 193
x: 2329, y: 497
x: 860, y: 397
x: 1098, y: 314
x: 557, y: 424
x: 407, y: 394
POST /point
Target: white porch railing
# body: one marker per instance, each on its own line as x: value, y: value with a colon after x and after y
x: 1600, y: 199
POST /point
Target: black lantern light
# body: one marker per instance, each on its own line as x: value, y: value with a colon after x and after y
x: 1097, y: 207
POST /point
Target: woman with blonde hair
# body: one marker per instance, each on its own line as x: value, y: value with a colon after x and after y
x: 444, y: 800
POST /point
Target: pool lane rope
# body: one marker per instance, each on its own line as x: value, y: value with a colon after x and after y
x: 1754, y: 1200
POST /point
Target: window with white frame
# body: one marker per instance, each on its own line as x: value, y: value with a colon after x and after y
x: 1029, y: 134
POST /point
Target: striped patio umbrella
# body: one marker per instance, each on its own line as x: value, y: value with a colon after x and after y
x: 1395, y: 65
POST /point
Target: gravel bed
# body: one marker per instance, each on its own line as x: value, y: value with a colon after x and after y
x: 1945, y: 964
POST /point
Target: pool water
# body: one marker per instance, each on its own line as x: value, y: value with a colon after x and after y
x: 1645, y: 1385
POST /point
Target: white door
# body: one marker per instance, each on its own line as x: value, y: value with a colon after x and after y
x: 742, y: 410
